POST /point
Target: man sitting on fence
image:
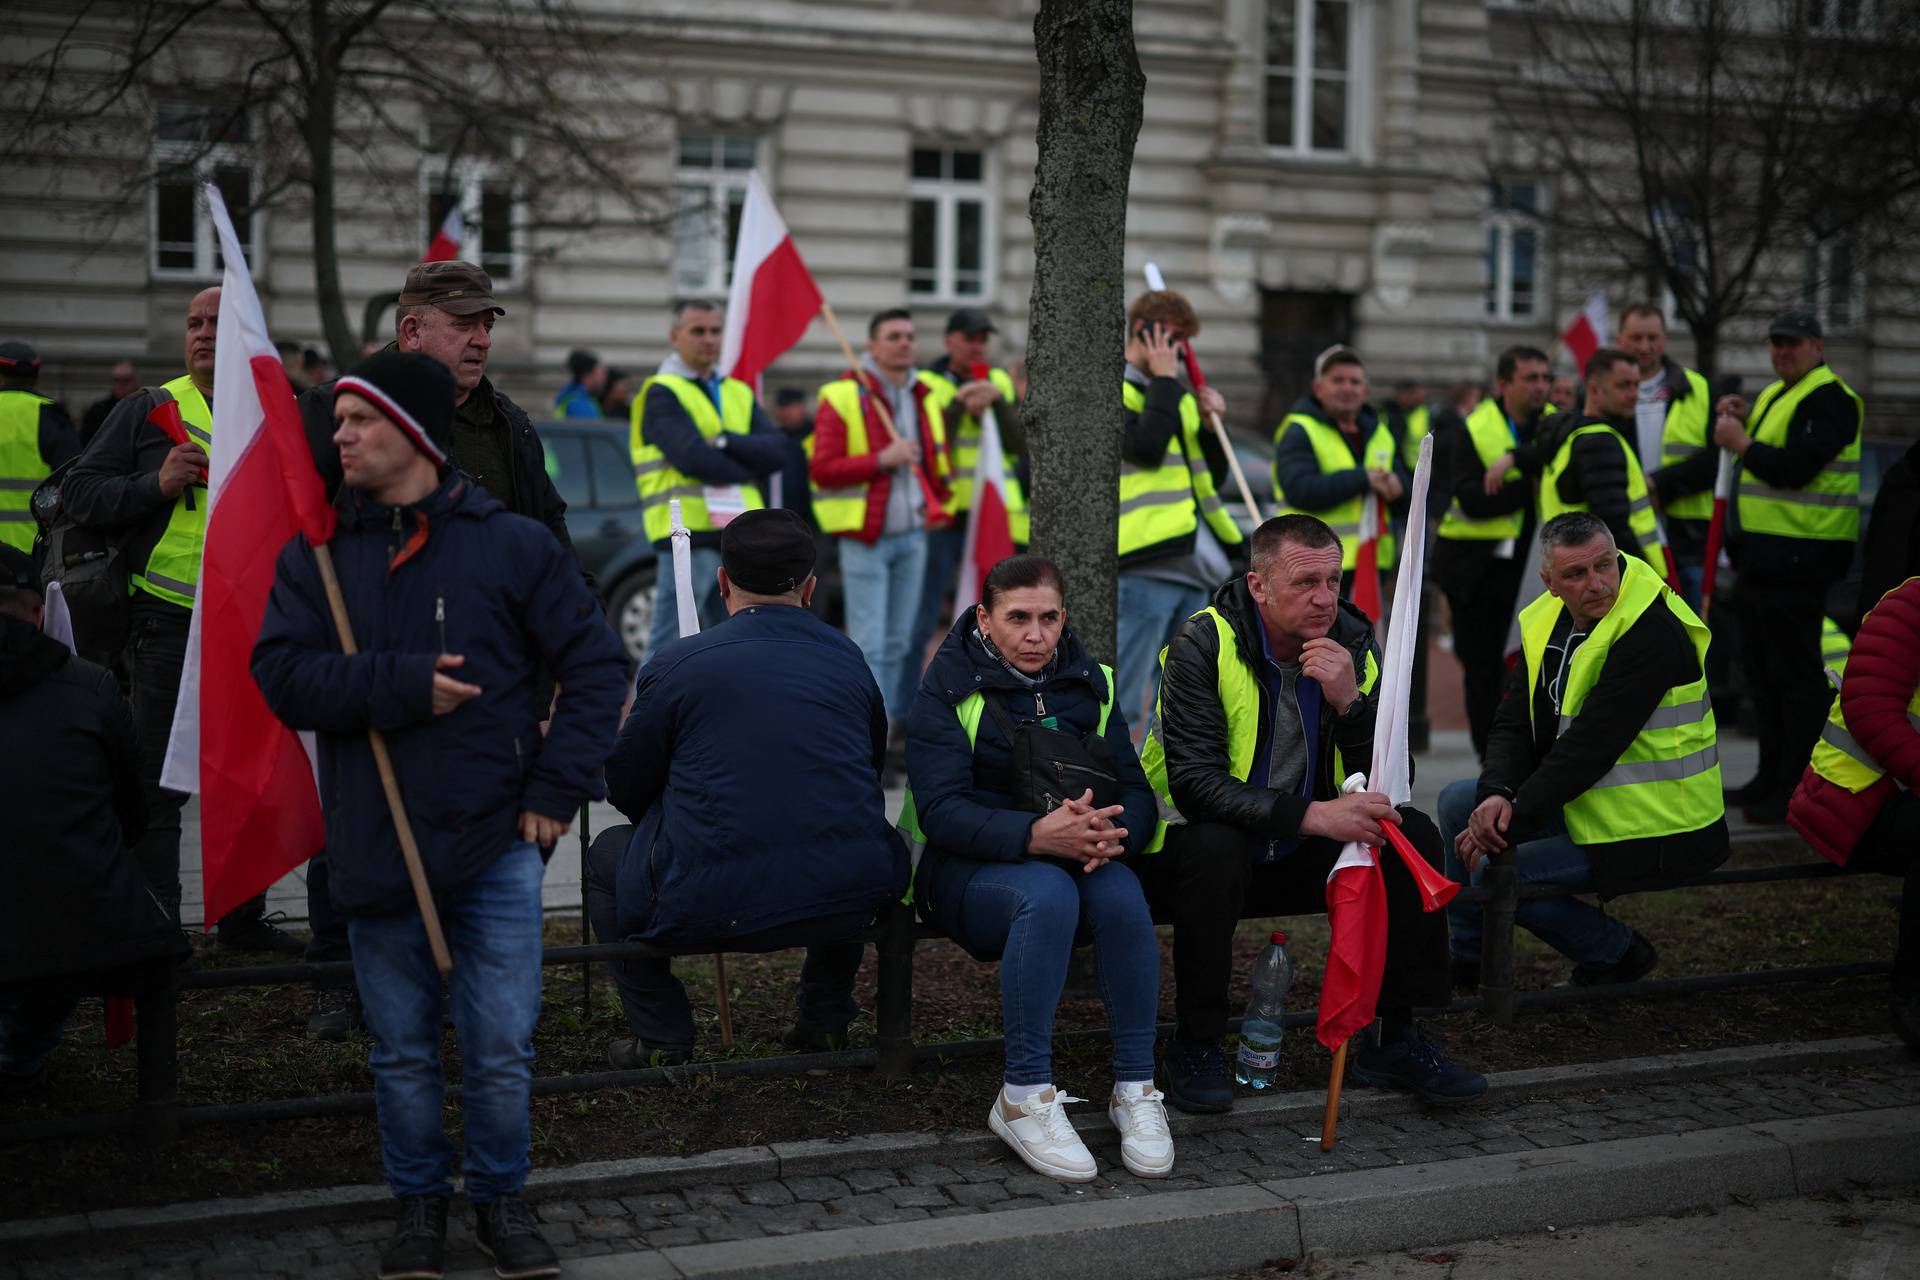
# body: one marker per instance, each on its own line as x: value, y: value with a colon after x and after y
x: 1266, y: 704
x: 1603, y: 765
x: 78, y: 917
x: 750, y: 766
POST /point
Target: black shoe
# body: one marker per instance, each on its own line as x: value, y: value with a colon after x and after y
x: 631, y: 1055
x: 1465, y: 973
x: 1196, y: 1077
x: 1904, y: 1008
x: 507, y: 1231
x: 802, y: 1038
x: 1636, y: 964
x: 1413, y: 1062
x: 336, y: 1013
x: 418, y: 1250
x: 1771, y: 812
x: 261, y: 933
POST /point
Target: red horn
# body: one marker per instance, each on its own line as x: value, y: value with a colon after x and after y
x: 1435, y: 889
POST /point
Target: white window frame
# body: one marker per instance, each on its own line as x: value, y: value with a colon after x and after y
x: 204, y: 159
x: 1358, y: 78
x: 1820, y: 287
x: 947, y: 195
x: 1504, y: 223
x: 715, y: 185
x: 469, y: 177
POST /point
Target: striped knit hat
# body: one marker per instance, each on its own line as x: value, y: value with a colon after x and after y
x: 413, y: 390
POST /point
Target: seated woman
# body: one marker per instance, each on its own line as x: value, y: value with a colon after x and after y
x: 1010, y: 881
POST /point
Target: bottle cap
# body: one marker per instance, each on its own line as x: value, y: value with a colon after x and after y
x: 1278, y: 939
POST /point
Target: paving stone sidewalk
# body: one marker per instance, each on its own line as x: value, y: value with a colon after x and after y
x: 981, y: 1178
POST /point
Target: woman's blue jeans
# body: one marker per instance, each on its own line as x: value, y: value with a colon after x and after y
x: 1032, y: 912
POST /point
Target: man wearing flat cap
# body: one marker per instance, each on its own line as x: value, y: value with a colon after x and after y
x: 767, y: 723
x: 460, y: 610
x: 35, y: 437
x: 1796, y: 517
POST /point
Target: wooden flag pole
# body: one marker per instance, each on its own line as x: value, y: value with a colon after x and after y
x: 1335, y: 1078
x: 1233, y: 464
x: 409, y: 851
x: 853, y: 363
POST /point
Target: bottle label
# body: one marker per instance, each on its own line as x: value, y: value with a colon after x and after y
x: 1257, y: 1059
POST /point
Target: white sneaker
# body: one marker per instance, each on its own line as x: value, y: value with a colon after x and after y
x: 1040, y: 1133
x: 1146, y: 1144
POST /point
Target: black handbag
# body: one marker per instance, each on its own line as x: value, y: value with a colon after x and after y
x: 1052, y: 766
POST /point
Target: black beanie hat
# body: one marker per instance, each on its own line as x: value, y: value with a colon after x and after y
x: 768, y: 551
x: 413, y: 390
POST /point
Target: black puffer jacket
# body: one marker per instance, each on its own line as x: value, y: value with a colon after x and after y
x: 1596, y: 476
x: 1193, y: 724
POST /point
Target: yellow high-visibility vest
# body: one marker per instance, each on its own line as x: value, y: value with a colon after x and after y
x: 1492, y: 438
x: 1331, y: 452
x: 1827, y: 508
x: 21, y: 466
x: 1685, y: 433
x: 1838, y: 756
x: 659, y: 482
x: 1640, y: 514
x: 172, y: 572
x: 845, y: 510
x: 1165, y: 500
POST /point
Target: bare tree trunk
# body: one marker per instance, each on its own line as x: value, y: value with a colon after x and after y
x: 321, y: 123
x: 1091, y: 88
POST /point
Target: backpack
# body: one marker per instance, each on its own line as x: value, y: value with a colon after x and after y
x: 91, y: 567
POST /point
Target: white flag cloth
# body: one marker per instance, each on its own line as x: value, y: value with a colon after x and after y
x: 56, y: 620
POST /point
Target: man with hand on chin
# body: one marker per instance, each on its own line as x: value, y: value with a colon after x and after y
x: 1266, y: 705
x: 460, y: 608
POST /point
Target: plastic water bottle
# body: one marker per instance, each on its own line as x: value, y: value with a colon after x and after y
x: 1259, y: 1057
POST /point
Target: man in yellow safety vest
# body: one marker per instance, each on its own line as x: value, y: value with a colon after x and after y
x: 1332, y: 451
x: 35, y: 437
x: 1672, y: 436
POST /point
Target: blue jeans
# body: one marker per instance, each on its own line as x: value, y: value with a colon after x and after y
x: 882, y: 588
x: 1574, y: 927
x: 1151, y: 611
x: 492, y: 925
x: 1031, y: 913
x: 944, y: 549
x: 705, y: 564
x: 1693, y: 577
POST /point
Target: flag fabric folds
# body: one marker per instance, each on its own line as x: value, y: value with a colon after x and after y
x: 1586, y: 332
x: 259, y: 804
x: 448, y: 239
x: 1366, y: 560
x: 773, y: 297
x: 989, y: 525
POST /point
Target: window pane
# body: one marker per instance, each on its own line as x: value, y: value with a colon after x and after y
x: 1329, y: 115
x: 567, y: 467
x: 738, y: 152
x: 968, y: 250
x: 926, y: 162
x: 697, y: 150
x: 173, y: 223
x: 693, y: 239
x: 496, y: 230
x: 1810, y: 278
x: 1280, y: 51
x: 923, y: 264
x: 1840, y: 301
x: 1280, y: 111
x: 236, y: 188
x: 196, y: 122
x: 1523, y: 198
x: 1330, y: 35
x: 966, y: 166
x: 1523, y: 269
x: 1493, y: 271
x: 736, y: 208
x: 612, y: 476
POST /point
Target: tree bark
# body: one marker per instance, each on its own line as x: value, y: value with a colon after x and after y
x: 321, y: 123
x: 1091, y: 90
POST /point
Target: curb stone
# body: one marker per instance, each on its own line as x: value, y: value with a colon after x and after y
x: 817, y: 1157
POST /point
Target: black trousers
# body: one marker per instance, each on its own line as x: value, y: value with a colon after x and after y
x: 1482, y: 616
x: 329, y: 928
x: 655, y: 1002
x: 1204, y: 880
x: 1891, y: 845
x: 1780, y: 643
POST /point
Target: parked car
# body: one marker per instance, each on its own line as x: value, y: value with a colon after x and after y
x: 591, y: 466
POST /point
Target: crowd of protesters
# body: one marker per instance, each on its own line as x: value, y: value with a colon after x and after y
x: 1053, y: 800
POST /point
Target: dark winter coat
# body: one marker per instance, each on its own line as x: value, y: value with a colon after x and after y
x: 1821, y: 426
x: 72, y: 900
x: 1193, y: 724
x: 1882, y: 672
x: 1892, y: 551
x: 1144, y: 437
x: 745, y: 459
x: 115, y: 485
x: 1541, y: 770
x: 1458, y: 563
x: 1297, y: 467
x: 750, y: 766
x: 1596, y: 476
x: 960, y: 793
x: 475, y: 580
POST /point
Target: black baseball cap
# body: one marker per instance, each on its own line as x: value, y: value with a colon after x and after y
x: 19, y: 357
x: 970, y: 320
x: 1796, y: 324
x: 768, y: 552
x: 17, y: 571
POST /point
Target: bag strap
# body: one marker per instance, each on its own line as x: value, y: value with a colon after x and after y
x: 995, y: 708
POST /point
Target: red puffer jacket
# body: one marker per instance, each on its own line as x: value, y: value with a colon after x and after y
x: 1882, y: 672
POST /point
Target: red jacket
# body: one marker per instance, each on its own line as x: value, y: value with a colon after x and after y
x: 1882, y: 673
x: 833, y: 468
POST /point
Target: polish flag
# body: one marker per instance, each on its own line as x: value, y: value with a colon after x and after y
x: 1366, y: 560
x: 773, y: 298
x: 259, y: 804
x: 1356, y: 890
x: 989, y: 530
x: 1582, y: 336
x: 448, y: 239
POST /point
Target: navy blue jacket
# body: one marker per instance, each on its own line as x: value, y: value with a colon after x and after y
x: 495, y: 587
x: 1297, y: 466
x: 958, y: 791
x: 750, y: 766
x: 744, y: 459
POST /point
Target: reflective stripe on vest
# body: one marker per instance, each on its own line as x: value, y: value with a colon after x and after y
x: 1640, y: 515
x: 1331, y: 451
x: 1684, y: 435
x: 969, y: 709
x: 966, y: 434
x: 657, y: 479
x: 845, y: 510
x: 1158, y: 503
x: 1834, y: 647
x: 1667, y: 781
x: 1243, y: 699
x: 21, y: 467
x: 1838, y: 756
x: 1492, y: 437
x: 172, y: 571
x: 1826, y: 508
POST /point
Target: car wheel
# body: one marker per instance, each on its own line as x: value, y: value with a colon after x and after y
x: 631, y: 608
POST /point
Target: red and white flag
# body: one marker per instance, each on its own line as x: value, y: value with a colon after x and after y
x: 773, y: 298
x: 1356, y: 891
x: 1366, y: 559
x: 1587, y: 330
x: 989, y: 526
x: 259, y: 804
x: 448, y: 239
